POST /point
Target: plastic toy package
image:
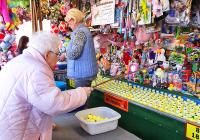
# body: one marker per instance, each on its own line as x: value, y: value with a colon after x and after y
x: 165, y: 5
x: 144, y: 12
x: 194, y: 15
x: 114, y: 69
x: 166, y: 29
x: 135, y: 17
x: 153, y: 28
x: 179, y: 12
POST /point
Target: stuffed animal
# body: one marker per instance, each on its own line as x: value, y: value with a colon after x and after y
x: 5, y: 14
x: 6, y: 43
x: 23, y: 14
x: 64, y: 9
x: 25, y: 4
x: 54, y: 29
x: 12, y: 13
x: 16, y: 3
x: 2, y: 28
x: 45, y: 11
x: 4, y: 57
x: 43, y: 3
x: 55, y: 15
x: 62, y: 27
x: 6, y: 37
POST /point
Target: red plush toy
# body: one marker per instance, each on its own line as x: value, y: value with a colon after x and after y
x: 138, y: 56
x: 54, y: 29
x: 126, y: 57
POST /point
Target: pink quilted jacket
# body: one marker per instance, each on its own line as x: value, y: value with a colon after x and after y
x: 29, y: 98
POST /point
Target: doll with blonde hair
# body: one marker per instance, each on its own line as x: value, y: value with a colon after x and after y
x: 144, y: 56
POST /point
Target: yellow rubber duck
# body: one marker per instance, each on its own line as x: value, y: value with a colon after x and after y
x: 170, y: 87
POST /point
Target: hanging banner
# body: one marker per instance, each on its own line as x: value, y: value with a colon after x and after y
x: 104, y: 13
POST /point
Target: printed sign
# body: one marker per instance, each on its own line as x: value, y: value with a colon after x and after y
x: 103, y: 13
x: 192, y: 132
x: 116, y: 101
x: 71, y: 83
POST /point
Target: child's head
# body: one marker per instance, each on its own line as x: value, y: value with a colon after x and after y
x: 23, y: 41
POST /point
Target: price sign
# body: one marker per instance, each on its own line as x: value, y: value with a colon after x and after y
x: 192, y: 131
x: 71, y: 83
x: 116, y: 101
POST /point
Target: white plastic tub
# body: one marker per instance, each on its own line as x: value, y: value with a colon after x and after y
x: 94, y: 128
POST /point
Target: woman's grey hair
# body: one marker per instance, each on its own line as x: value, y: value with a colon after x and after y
x: 44, y: 41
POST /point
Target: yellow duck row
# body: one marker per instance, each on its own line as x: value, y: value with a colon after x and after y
x: 164, y: 102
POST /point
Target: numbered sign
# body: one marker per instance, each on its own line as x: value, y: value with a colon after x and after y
x: 116, y: 101
x: 71, y: 83
x: 192, y: 131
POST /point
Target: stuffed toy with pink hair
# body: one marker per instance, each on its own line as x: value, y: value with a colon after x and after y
x: 5, y: 13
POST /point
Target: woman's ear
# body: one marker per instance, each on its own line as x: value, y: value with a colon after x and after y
x: 46, y: 55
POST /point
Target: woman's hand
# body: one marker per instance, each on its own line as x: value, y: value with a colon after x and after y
x: 61, y: 58
x: 88, y: 90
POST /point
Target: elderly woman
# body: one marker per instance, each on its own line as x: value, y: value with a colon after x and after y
x: 29, y: 97
x: 80, y: 53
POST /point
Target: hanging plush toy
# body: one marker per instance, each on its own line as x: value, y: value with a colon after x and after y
x: 54, y: 29
x: 16, y: 3
x: 55, y: 15
x: 7, y: 41
x: 6, y: 37
x: 5, y: 13
x: 2, y: 28
x: 43, y: 3
x: 62, y: 27
x: 25, y: 4
x: 65, y: 8
x: 12, y: 13
x: 45, y: 11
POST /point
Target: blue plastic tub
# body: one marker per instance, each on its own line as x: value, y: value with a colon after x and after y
x: 62, y: 66
x: 61, y: 85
